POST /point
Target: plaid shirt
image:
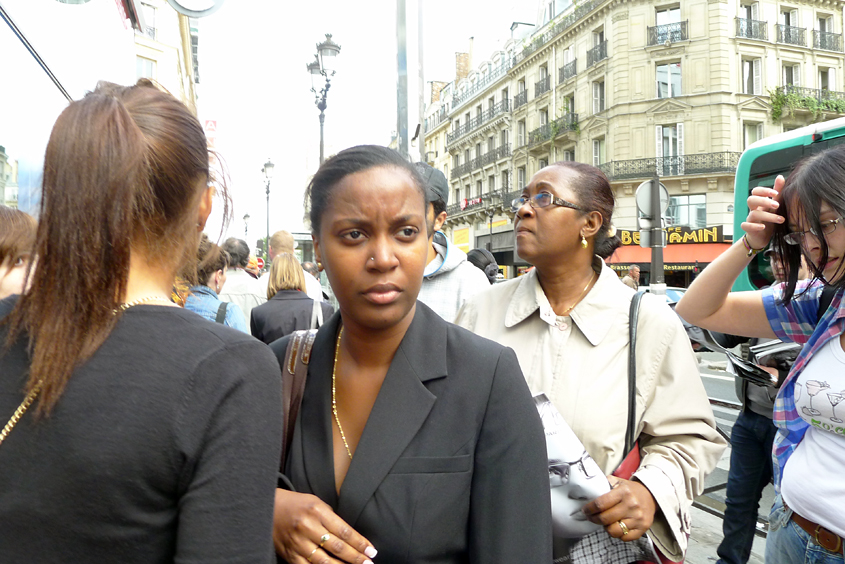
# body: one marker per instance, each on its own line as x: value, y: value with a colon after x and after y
x: 797, y: 322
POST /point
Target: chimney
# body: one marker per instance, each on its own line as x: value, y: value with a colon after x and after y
x: 461, y: 66
x: 436, y: 87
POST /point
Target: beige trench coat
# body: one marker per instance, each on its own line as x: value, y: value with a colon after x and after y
x: 581, y: 363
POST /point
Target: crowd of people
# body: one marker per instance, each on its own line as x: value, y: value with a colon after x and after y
x: 142, y: 431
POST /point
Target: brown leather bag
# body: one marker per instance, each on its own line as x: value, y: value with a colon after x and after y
x: 294, y: 374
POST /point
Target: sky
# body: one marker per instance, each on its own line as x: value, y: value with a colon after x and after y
x: 253, y: 81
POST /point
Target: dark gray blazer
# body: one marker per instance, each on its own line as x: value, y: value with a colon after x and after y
x: 284, y: 313
x: 452, y: 465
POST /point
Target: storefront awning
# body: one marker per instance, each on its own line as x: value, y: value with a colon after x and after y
x: 702, y: 252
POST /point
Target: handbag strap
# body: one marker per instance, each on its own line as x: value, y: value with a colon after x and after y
x: 633, y: 318
x: 316, y: 314
x: 221, y: 313
x: 294, y: 373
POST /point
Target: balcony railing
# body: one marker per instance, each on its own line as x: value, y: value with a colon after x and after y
x: 752, y: 29
x: 701, y: 163
x: 542, y: 86
x: 672, y: 33
x: 814, y: 99
x: 487, y: 158
x: 567, y: 71
x: 597, y: 53
x: 461, y: 170
x: 827, y: 41
x: 567, y: 122
x: 555, y: 30
x: 501, y: 107
x: 430, y: 156
x: 480, y: 85
x: 520, y: 99
x: 791, y: 35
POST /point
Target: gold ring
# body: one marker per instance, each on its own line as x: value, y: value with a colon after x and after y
x: 624, y: 528
x: 324, y: 539
x: 316, y: 548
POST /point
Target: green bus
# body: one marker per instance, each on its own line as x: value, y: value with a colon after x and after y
x: 760, y: 164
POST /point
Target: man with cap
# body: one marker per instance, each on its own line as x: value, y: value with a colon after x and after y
x: 283, y: 242
x: 449, y: 280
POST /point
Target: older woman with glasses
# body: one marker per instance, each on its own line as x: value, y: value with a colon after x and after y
x: 801, y: 218
x: 567, y: 320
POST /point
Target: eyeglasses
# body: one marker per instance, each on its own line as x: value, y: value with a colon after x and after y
x: 542, y: 200
x: 797, y: 237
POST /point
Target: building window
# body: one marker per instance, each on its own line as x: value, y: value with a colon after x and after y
x: 149, y: 20
x: 752, y: 80
x: 505, y: 184
x: 569, y: 154
x: 569, y: 104
x: 491, y: 183
x: 668, y: 25
x: 520, y: 178
x: 544, y: 116
x: 599, y: 154
x: 598, y: 97
x: 792, y: 75
x: 467, y: 157
x: 752, y: 132
x: 457, y: 194
x: 478, y: 188
x: 827, y: 79
x: 146, y: 68
x: 750, y: 11
x: 669, y: 80
x: 542, y: 163
x: 491, y: 143
x: 456, y: 124
x: 504, y: 138
x: 477, y: 150
x: 789, y: 17
x: 689, y: 211
x: 670, y: 149
x: 520, y: 133
x: 666, y: 16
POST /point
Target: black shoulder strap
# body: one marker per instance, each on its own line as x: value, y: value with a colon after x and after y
x: 633, y: 319
x: 825, y: 299
x: 221, y: 312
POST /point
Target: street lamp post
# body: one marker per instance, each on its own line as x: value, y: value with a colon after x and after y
x: 268, y: 174
x: 323, y: 67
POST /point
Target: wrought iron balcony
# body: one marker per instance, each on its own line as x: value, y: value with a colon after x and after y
x: 501, y: 107
x: 566, y: 72
x: 461, y: 170
x: 672, y: 33
x: 542, y: 86
x: 570, y: 20
x: 496, y: 154
x: 791, y: 35
x: 752, y: 29
x: 520, y: 99
x: 700, y: 163
x: 430, y: 156
x: 567, y: 122
x: 452, y: 209
x: 597, y: 53
x: 511, y: 196
x: 827, y: 41
x: 814, y: 99
x: 481, y: 84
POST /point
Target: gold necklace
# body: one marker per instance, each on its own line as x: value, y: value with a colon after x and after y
x: 16, y: 416
x: 584, y: 291
x: 334, y: 394
x: 127, y: 305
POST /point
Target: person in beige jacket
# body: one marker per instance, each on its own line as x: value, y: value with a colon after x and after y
x: 567, y: 321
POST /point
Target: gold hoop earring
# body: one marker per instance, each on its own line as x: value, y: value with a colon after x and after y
x: 583, y: 241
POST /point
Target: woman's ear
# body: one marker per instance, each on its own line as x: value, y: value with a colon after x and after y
x: 204, y: 210
x: 593, y: 224
x: 317, y: 255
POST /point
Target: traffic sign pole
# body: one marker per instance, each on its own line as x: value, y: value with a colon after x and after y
x: 656, y: 238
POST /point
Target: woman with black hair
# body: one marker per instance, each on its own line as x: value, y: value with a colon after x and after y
x: 799, y: 217
x: 137, y: 431
x: 483, y: 260
x: 567, y: 321
x: 415, y: 440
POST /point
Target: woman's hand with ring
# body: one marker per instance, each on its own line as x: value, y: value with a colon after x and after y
x: 763, y: 204
x: 306, y: 530
x: 626, y: 511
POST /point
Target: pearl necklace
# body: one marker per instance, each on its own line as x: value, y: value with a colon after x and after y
x: 124, y: 306
x: 334, y: 394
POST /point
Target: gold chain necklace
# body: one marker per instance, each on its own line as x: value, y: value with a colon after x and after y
x: 584, y: 291
x: 16, y: 416
x: 127, y: 305
x: 334, y: 394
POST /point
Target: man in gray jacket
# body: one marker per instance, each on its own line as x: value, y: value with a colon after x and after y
x: 449, y: 280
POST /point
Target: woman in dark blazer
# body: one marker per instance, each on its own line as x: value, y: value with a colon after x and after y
x: 288, y: 308
x: 416, y: 440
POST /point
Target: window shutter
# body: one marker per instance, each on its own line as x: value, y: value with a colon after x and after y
x: 596, y: 152
x: 793, y: 18
x: 796, y: 75
x: 759, y: 131
x: 680, y: 132
x: 566, y: 56
x: 783, y: 78
x: 829, y: 27
x: 755, y: 11
x: 595, y: 97
x: 757, y: 65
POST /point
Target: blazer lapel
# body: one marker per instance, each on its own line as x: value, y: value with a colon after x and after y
x: 401, y: 408
x: 315, y: 415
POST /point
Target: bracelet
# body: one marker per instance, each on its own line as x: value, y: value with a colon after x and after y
x: 751, y: 250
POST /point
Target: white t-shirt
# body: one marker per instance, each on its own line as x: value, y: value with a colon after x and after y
x: 812, y: 480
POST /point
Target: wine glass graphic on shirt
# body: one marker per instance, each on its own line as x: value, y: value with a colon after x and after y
x: 813, y: 389
x: 835, y: 398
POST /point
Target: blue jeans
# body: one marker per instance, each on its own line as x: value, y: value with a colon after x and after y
x: 751, y: 470
x: 788, y: 543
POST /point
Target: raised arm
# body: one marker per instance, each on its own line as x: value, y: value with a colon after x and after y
x: 709, y: 302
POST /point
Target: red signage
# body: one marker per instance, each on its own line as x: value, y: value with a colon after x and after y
x: 469, y: 202
x: 260, y: 262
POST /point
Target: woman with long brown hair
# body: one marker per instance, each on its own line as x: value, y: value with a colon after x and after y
x: 137, y: 431
x: 17, y: 235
